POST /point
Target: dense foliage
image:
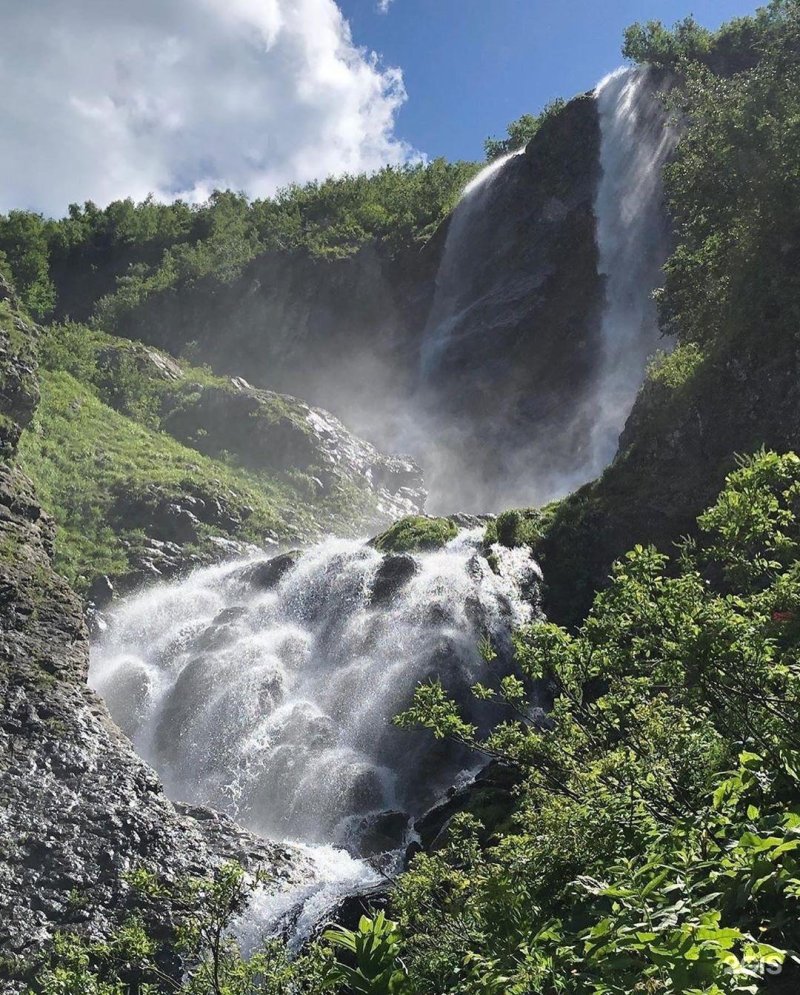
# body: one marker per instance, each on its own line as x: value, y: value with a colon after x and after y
x: 114, y: 258
x: 736, y: 46
x: 658, y: 827
x: 734, y: 192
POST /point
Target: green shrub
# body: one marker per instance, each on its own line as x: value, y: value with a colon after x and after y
x: 521, y: 131
x: 675, y: 369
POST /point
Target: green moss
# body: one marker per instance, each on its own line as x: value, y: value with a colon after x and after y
x: 516, y: 527
x: 416, y: 532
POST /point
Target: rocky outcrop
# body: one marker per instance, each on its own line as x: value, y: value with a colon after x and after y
x: 269, y: 431
x: 521, y: 325
x: 278, y: 471
x: 78, y: 808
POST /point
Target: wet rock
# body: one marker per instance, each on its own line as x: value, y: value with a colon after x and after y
x: 266, y: 574
x: 229, y: 615
x: 101, y: 591
x: 366, y: 903
x: 394, y: 573
x: 489, y: 797
x: 381, y: 832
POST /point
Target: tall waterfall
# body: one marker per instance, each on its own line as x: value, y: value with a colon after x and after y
x: 469, y: 222
x: 632, y: 243
x: 271, y: 697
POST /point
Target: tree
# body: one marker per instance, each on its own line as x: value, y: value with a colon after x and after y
x: 521, y: 131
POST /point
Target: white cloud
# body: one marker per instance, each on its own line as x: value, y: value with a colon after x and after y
x: 384, y: 5
x: 107, y: 98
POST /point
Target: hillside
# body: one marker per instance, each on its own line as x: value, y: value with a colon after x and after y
x: 150, y: 466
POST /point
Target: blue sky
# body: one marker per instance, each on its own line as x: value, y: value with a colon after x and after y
x: 471, y: 66
x: 113, y: 99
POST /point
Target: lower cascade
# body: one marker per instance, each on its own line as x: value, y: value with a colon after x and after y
x: 266, y: 688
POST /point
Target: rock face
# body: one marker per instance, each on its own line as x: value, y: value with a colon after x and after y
x: 281, y: 471
x: 342, y: 333
x: 517, y: 337
x: 78, y: 808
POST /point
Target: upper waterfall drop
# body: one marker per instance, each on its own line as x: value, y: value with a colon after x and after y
x: 470, y: 218
x: 636, y: 140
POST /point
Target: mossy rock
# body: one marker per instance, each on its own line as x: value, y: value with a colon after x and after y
x: 416, y: 533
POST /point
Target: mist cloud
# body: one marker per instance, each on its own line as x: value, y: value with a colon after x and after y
x: 103, y: 99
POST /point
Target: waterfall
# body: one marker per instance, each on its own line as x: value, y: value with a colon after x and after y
x: 266, y: 688
x: 635, y: 142
x: 470, y: 220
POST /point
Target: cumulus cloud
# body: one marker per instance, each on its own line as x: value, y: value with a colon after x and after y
x: 384, y: 5
x: 105, y: 99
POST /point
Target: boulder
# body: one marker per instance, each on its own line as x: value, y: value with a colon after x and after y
x: 100, y: 592
x: 381, y: 832
x: 394, y: 573
x: 266, y: 574
x: 489, y: 797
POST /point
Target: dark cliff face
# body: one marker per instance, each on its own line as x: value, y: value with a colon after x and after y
x: 679, y: 443
x: 523, y: 333
x: 340, y: 333
x: 78, y: 808
x: 347, y: 334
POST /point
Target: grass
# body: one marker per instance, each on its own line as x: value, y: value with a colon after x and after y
x: 81, y: 453
x: 99, y: 436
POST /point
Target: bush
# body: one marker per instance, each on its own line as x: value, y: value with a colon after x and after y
x: 521, y: 131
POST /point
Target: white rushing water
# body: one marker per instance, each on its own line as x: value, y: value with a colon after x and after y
x: 469, y: 222
x: 635, y: 142
x: 272, y: 698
